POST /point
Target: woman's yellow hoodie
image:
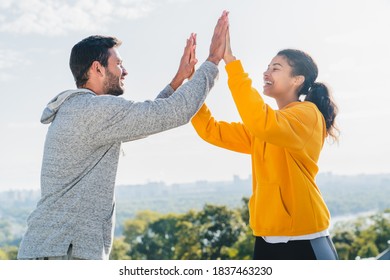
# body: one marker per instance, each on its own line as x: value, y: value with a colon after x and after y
x: 285, y: 146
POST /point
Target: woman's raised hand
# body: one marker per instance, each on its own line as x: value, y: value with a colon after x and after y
x: 218, y: 42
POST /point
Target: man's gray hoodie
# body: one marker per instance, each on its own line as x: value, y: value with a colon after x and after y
x: 81, y: 153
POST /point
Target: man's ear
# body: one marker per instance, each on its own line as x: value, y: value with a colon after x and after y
x: 97, y: 68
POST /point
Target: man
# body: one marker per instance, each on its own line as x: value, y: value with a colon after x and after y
x: 74, y: 218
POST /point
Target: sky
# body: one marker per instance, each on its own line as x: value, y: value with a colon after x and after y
x: 348, y: 40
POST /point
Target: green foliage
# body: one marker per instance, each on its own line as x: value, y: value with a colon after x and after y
x: 3, y: 255
x: 344, y: 195
x: 208, y: 234
x: 120, y: 249
x: 243, y: 248
x: 219, y: 228
x: 8, y: 253
x: 217, y: 232
x: 364, y: 237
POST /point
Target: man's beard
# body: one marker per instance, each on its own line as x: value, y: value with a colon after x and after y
x: 111, y: 85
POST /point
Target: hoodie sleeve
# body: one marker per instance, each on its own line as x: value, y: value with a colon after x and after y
x: 118, y: 119
x: 166, y: 92
x: 232, y: 136
x: 290, y: 128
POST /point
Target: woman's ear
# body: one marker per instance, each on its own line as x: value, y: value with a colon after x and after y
x: 299, y: 80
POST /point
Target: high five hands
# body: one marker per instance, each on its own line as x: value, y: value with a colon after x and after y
x: 228, y: 55
x: 187, y: 63
x: 220, y: 48
x: 218, y: 41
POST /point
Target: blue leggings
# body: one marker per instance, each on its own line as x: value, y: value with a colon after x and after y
x: 321, y: 248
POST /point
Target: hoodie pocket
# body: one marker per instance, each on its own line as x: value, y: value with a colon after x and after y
x: 271, y: 211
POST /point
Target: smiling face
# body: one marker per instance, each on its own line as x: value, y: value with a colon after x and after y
x: 114, y: 74
x: 278, y: 79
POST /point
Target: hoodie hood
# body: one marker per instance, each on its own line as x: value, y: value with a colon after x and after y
x: 49, y: 113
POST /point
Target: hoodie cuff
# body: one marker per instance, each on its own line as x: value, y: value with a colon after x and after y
x: 234, y: 68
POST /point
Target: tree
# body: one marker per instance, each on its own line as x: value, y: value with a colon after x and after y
x: 188, y: 245
x: 343, y: 240
x: 3, y: 255
x: 243, y: 248
x: 381, y: 227
x: 159, y: 240
x: 120, y: 250
x: 207, y: 234
x: 364, y: 237
x: 8, y: 253
x: 133, y: 231
x: 219, y: 230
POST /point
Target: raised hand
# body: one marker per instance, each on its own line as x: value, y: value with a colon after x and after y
x: 218, y: 42
x: 187, y: 63
x: 228, y: 55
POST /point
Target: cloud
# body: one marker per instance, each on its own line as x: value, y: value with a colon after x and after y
x: 59, y: 17
x: 10, y: 59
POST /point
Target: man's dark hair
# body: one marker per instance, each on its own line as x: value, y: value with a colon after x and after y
x: 85, y: 52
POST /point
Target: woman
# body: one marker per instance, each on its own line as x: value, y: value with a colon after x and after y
x: 288, y: 215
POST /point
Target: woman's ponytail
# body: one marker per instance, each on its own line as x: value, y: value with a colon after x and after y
x: 320, y: 95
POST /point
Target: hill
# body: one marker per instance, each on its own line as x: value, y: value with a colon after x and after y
x: 345, y: 195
